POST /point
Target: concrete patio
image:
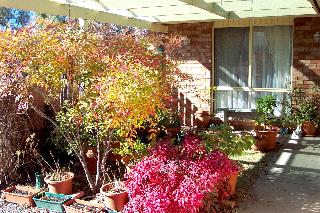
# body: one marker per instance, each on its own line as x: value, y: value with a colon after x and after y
x: 292, y: 181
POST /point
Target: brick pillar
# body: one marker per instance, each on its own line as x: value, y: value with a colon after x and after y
x: 306, y: 53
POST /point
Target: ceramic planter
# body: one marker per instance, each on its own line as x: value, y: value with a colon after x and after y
x: 234, y: 178
x: 51, y: 201
x: 82, y: 206
x: 20, y: 194
x: 233, y: 182
x: 62, y: 186
x: 202, y: 119
x: 114, y: 200
x: 173, y: 130
x: 266, y: 140
x: 309, y: 128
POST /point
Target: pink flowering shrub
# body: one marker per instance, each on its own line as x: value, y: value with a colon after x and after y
x: 177, y: 178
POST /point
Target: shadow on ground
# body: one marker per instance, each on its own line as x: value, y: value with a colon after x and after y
x: 291, y: 183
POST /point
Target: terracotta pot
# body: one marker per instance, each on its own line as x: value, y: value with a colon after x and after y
x: 265, y: 140
x: 112, y: 200
x: 234, y: 177
x: 233, y: 182
x: 126, y: 159
x: 91, y: 159
x: 173, y: 130
x: 12, y: 197
x: 202, y: 119
x: 309, y: 128
x: 60, y: 187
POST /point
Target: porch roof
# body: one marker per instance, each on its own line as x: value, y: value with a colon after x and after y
x: 157, y: 14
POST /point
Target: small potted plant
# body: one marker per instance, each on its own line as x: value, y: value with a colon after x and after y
x: 287, y: 119
x: 54, y: 201
x: 115, y: 195
x: 59, y: 181
x: 266, y: 136
x: 221, y: 137
x: 20, y: 194
x: 305, y: 116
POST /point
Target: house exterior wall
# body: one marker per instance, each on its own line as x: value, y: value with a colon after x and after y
x: 194, y: 58
x: 306, y: 53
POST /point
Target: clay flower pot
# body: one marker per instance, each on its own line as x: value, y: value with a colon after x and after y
x: 173, y: 130
x: 62, y: 186
x: 234, y: 178
x: 266, y: 140
x: 113, y: 198
x: 233, y: 182
x: 309, y: 128
x: 20, y: 194
x: 203, y: 119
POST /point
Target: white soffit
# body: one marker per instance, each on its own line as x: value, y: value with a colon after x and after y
x: 266, y: 8
x: 155, y: 14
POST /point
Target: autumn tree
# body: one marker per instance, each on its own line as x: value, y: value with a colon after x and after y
x: 97, y: 83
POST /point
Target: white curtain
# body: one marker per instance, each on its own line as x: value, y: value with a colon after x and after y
x: 271, y: 63
x: 232, y: 52
x: 271, y: 56
x: 232, y: 64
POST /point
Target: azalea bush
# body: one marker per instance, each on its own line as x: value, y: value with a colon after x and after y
x: 95, y: 82
x: 178, y: 178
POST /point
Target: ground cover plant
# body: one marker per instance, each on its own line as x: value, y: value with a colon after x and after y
x: 99, y: 85
x: 179, y: 178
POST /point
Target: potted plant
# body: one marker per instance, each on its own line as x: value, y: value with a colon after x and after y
x: 266, y: 136
x: 222, y: 137
x: 287, y: 119
x: 305, y: 115
x: 115, y: 195
x: 60, y: 182
x: 20, y: 194
x: 202, y: 119
x: 51, y: 201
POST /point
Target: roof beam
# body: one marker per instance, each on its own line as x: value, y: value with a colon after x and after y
x: 52, y: 7
x: 210, y: 7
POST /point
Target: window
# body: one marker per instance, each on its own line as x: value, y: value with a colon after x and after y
x: 251, y: 62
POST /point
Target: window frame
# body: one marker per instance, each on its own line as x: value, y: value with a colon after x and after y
x: 251, y: 23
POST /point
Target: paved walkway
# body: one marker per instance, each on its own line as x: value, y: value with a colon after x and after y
x: 292, y: 181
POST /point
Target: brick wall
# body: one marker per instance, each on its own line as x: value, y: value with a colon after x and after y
x: 306, y: 53
x: 194, y: 59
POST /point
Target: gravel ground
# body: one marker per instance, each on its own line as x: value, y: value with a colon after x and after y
x: 6, y: 207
